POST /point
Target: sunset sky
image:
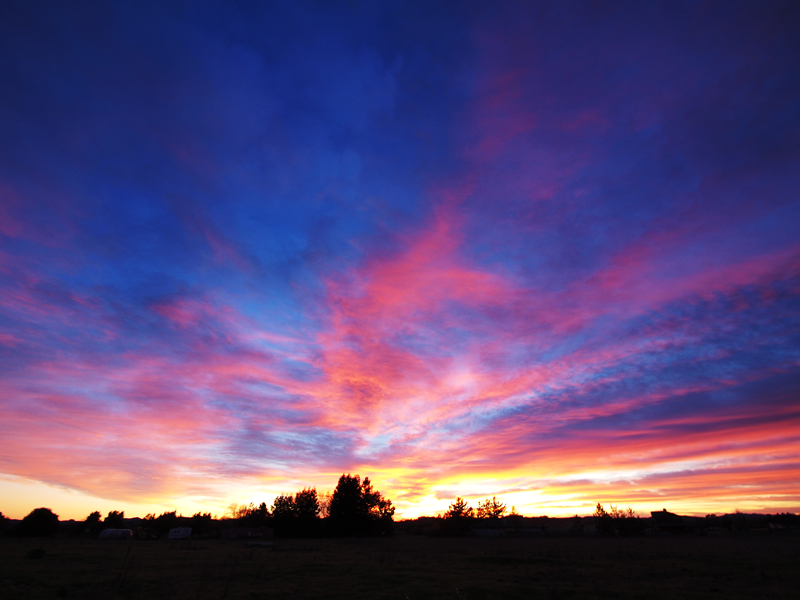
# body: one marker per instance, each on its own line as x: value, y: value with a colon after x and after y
x: 548, y: 252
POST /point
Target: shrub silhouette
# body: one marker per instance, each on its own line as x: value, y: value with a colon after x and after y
x: 40, y: 522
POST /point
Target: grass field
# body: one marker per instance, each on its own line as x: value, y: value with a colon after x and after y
x: 405, y: 567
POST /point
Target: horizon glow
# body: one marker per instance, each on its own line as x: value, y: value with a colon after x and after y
x: 546, y: 253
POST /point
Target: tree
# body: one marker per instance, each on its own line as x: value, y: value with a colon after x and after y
x: 457, y: 519
x: 114, y: 520
x: 347, y: 507
x: 306, y: 503
x: 238, y: 512
x: 357, y: 509
x: 250, y: 514
x: 379, y: 509
x: 491, y: 509
x: 459, y: 509
x: 165, y: 521
x: 201, y: 523
x: 284, y: 515
x: 307, y: 510
x: 39, y: 522
x: 92, y: 524
x: 260, y: 516
x: 283, y: 507
x: 614, y: 512
x: 616, y: 521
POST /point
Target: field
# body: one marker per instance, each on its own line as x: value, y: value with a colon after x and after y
x: 405, y: 567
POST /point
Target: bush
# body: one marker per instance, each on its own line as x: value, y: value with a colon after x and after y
x: 41, y: 522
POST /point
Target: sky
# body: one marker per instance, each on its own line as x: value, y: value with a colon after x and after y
x: 546, y: 252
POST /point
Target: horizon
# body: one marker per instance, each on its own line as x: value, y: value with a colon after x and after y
x: 543, y: 252
x: 229, y: 516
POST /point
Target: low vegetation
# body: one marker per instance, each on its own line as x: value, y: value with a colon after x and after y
x: 404, y: 567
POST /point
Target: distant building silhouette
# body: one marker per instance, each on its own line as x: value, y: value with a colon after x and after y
x: 668, y: 522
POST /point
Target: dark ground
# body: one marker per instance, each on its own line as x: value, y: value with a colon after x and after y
x: 406, y: 567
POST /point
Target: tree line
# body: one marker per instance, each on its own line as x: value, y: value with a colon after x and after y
x: 354, y: 508
x: 459, y: 518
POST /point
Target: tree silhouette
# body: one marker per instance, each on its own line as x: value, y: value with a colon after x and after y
x: 283, y: 507
x: 250, y: 515
x: 201, y: 523
x: 357, y: 509
x: 164, y: 522
x: 459, y: 509
x: 616, y: 521
x: 284, y: 514
x: 457, y: 519
x: 39, y: 522
x: 261, y: 516
x: 379, y: 509
x: 92, y: 523
x: 307, y: 511
x: 236, y: 511
x: 114, y: 520
x: 491, y: 509
x: 347, y: 508
x: 306, y: 503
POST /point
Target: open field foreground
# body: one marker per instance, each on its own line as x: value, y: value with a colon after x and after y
x: 405, y: 567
